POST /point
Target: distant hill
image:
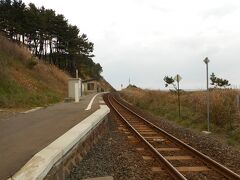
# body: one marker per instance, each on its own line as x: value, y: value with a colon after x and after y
x: 26, y: 81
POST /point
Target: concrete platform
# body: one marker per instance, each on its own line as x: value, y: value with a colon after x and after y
x: 41, y: 163
x: 23, y: 135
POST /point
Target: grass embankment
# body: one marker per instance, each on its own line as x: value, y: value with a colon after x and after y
x: 27, y: 82
x: 224, y: 115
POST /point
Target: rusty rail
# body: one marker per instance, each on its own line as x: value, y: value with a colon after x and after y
x: 171, y: 169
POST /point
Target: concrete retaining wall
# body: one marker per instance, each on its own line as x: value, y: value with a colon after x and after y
x: 56, y: 160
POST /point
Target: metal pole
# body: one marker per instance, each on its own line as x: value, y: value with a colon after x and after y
x: 178, y: 100
x: 208, y: 101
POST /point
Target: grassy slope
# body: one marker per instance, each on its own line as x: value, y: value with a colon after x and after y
x: 224, y: 116
x: 23, y: 84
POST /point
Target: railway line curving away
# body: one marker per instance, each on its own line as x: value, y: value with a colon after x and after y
x: 170, y: 156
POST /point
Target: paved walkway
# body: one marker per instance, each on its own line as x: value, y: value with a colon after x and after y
x: 23, y: 135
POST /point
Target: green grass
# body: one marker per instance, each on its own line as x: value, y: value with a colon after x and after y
x: 12, y: 95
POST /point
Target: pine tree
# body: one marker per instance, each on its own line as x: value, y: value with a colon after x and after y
x: 49, y: 36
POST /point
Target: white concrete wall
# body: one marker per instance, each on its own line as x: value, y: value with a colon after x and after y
x: 71, y: 87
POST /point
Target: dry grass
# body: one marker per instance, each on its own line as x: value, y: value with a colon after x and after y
x: 223, y: 107
x: 25, y: 81
x: 50, y: 74
x: 13, y: 50
x: 224, y: 115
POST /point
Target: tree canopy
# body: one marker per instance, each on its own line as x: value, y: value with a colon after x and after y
x: 169, y: 81
x: 218, y: 82
x: 49, y: 36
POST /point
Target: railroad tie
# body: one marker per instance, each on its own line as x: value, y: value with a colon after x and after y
x: 140, y: 149
x: 178, y: 157
x: 192, y: 169
x: 168, y: 149
x: 147, y: 158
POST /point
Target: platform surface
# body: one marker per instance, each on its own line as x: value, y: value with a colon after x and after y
x: 23, y: 135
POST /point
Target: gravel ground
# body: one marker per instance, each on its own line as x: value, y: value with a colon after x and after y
x: 113, y: 156
x: 207, y: 144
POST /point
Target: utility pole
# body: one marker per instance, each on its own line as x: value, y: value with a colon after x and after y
x: 206, y: 61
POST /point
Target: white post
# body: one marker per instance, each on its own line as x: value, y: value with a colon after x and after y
x: 76, y: 73
x: 76, y: 92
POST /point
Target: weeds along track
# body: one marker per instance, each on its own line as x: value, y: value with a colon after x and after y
x: 169, y: 155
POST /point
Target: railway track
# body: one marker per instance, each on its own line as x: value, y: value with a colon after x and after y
x: 176, y: 158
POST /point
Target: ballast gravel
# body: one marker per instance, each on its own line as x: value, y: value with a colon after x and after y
x: 113, y: 156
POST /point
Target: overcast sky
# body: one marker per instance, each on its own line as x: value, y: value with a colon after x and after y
x: 148, y: 39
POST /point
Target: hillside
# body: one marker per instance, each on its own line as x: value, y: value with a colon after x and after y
x: 49, y: 36
x: 106, y: 85
x: 25, y: 81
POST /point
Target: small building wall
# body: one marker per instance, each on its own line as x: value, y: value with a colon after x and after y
x: 91, y: 86
x: 71, y: 87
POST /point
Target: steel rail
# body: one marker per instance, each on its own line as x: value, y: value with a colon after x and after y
x: 171, y: 169
x: 214, y: 164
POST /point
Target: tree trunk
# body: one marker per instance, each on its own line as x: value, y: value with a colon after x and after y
x: 23, y: 39
x: 45, y: 49
x: 50, y: 47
